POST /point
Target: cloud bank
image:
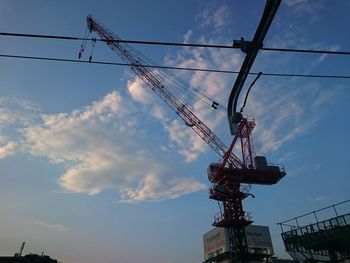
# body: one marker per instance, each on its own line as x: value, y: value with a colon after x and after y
x: 97, y: 145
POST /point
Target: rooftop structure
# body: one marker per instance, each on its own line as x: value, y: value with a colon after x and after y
x: 325, y: 240
x: 217, y: 247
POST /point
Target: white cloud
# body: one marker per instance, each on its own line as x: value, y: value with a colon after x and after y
x: 5, y: 117
x: 7, y: 148
x: 287, y: 157
x: 159, y: 113
x: 323, y: 98
x: 203, y: 18
x: 101, y: 147
x: 215, y: 18
x: 20, y: 103
x: 315, y: 63
x: 14, y: 113
x: 220, y: 17
x: 189, y: 143
x: 56, y: 227
x: 75, y: 132
x: 139, y: 91
x: 305, y: 6
x: 152, y: 188
x: 187, y: 36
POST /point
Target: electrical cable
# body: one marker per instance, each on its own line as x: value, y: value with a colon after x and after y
x: 118, y: 40
x: 297, y: 50
x: 177, y: 68
x: 233, y: 46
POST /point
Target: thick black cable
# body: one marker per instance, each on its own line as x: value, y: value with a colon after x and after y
x: 177, y: 68
x: 119, y: 40
x: 296, y: 50
x: 250, y: 87
x: 233, y: 46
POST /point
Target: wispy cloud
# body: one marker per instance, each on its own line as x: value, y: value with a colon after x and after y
x: 14, y: 113
x: 317, y: 166
x: 187, y: 36
x: 324, y: 56
x: 216, y: 86
x: 288, y: 156
x: 56, y: 227
x: 281, y: 115
x: 153, y: 188
x: 7, y: 148
x: 305, y: 6
x: 139, y: 91
x: 214, y: 17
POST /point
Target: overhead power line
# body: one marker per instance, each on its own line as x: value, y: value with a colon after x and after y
x: 176, y: 68
x: 329, y: 52
x: 233, y: 46
x: 119, y: 41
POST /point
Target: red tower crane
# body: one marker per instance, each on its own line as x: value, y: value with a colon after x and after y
x: 226, y: 177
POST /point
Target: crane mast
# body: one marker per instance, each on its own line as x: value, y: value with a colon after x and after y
x: 146, y: 72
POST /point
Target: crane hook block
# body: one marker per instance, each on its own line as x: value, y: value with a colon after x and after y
x: 215, y: 105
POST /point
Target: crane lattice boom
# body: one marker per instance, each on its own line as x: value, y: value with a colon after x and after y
x: 144, y: 71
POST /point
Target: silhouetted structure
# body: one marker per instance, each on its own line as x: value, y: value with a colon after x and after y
x: 30, y: 258
x: 322, y: 241
x: 217, y: 246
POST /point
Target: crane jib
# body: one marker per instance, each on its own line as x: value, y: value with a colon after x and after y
x: 145, y: 72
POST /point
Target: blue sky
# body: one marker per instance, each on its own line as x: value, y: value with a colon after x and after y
x: 94, y: 167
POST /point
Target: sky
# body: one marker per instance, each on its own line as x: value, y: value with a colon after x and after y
x: 94, y: 167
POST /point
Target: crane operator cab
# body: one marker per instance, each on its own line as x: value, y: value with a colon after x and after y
x: 261, y: 173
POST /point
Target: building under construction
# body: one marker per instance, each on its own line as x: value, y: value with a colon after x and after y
x: 217, y: 248
x: 324, y: 240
